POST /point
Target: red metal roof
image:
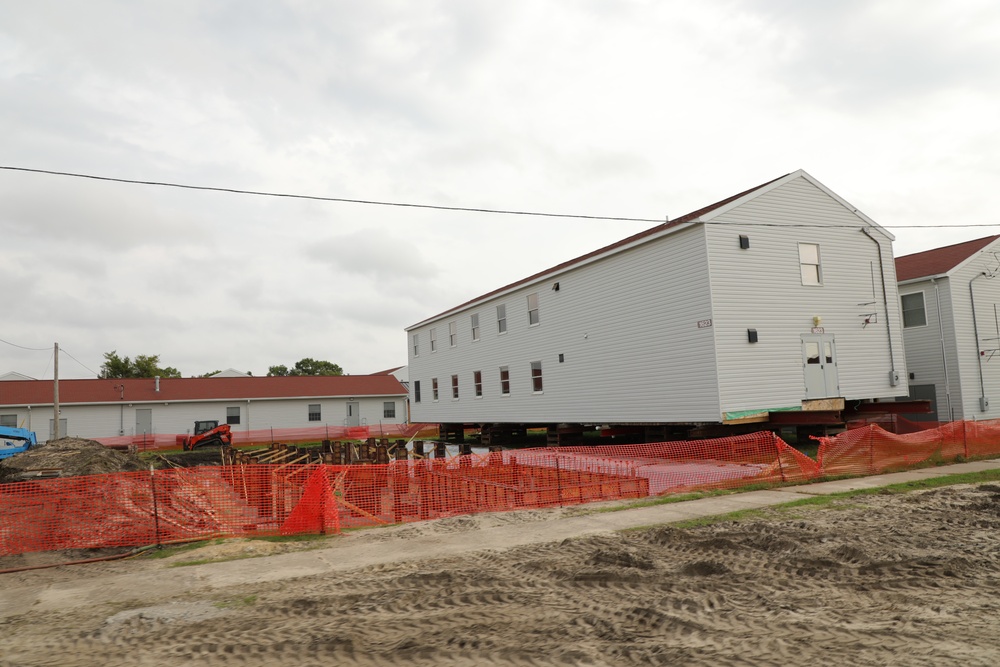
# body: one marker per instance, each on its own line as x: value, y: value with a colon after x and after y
x: 939, y: 260
x: 39, y: 392
x: 693, y: 215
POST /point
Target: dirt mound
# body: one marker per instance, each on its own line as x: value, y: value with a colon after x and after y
x: 67, y: 457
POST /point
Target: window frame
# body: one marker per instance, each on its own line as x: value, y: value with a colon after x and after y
x: 474, y: 318
x: 477, y: 383
x: 7, y: 418
x: 923, y: 309
x: 537, y: 386
x: 501, y: 319
x: 453, y: 334
x: 434, y: 389
x: 433, y: 337
x: 230, y: 416
x: 416, y: 391
x: 533, y: 318
x: 815, y: 267
x: 416, y: 345
x: 317, y: 415
x: 388, y: 409
x: 454, y: 387
x: 505, y: 380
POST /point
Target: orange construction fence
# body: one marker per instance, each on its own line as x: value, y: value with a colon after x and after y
x: 183, y: 504
x: 148, y: 441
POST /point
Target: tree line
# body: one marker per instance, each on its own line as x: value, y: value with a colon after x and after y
x: 148, y: 366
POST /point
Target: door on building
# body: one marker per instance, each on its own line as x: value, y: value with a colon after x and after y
x: 353, y: 414
x: 144, y: 421
x: 62, y: 428
x: 819, y: 364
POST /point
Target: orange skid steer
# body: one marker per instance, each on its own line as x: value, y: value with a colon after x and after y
x: 208, y: 434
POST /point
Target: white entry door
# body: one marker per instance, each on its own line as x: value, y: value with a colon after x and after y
x: 819, y: 366
x: 353, y: 414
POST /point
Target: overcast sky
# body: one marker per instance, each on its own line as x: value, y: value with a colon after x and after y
x: 618, y: 108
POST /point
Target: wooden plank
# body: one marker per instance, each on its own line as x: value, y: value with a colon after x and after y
x: 823, y: 404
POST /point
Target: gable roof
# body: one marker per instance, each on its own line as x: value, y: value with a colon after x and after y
x: 700, y: 215
x: 939, y: 260
x: 39, y: 392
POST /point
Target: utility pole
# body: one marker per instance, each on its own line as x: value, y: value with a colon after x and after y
x: 55, y: 394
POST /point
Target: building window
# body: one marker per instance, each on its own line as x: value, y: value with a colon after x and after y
x: 8, y: 420
x: 434, y: 388
x: 477, y: 380
x: 532, y: 309
x: 536, y: 376
x: 475, y: 327
x: 416, y: 391
x: 314, y: 412
x: 504, y: 381
x: 454, y: 387
x: 502, y: 318
x: 434, y: 341
x: 416, y: 345
x: 233, y: 415
x: 389, y: 410
x: 809, y: 264
x: 914, y: 314
x: 452, y: 334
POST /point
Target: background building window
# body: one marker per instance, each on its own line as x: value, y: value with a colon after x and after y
x: 504, y: 381
x: 452, y: 334
x: 475, y: 327
x: 434, y: 388
x: 477, y: 380
x: 433, y: 339
x: 416, y: 345
x: 536, y: 376
x: 809, y: 264
x: 416, y: 391
x: 8, y: 420
x: 502, y: 318
x: 914, y: 314
x: 454, y: 386
x: 233, y: 415
x: 532, y: 309
x: 389, y: 410
x: 314, y: 412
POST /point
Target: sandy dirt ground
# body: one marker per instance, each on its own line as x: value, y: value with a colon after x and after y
x: 909, y: 579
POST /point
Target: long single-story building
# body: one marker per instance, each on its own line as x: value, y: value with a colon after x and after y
x: 101, y: 408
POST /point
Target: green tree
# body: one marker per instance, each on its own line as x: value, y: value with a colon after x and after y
x: 144, y: 366
x: 306, y: 366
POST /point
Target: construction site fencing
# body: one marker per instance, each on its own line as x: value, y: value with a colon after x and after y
x: 871, y: 449
x: 256, y: 499
x: 151, y: 441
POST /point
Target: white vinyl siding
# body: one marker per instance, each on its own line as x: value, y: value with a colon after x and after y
x: 644, y: 359
x: 761, y: 288
x: 925, y: 348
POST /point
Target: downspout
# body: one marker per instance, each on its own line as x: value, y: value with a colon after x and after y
x: 944, y: 351
x: 975, y: 330
x: 893, y: 381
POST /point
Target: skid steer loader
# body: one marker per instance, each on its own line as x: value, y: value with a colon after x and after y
x: 208, y: 434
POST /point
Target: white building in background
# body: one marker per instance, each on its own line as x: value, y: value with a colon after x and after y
x: 106, y: 408
x: 950, y: 298
x: 780, y: 299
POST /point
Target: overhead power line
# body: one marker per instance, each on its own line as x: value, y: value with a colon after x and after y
x: 437, y: 207
x: 33, y: 349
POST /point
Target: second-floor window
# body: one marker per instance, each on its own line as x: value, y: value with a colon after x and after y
x: 809, y: 264
x: 416, y: 345
x: 502, y: 318
x: 452, y: 334
x: 533, y: 309
x: 914, y: 314
x: 475, y: 327
x: 433, y: 339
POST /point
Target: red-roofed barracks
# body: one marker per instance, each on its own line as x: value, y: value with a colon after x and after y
x: 950, y: 298
x: 765, y: 302
x: 106, y: 408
